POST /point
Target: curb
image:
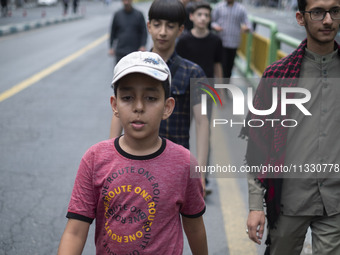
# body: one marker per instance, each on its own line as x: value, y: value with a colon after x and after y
x: 20, y: 27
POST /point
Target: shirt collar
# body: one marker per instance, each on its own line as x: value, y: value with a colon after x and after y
x: 171, y: 60
x: 319, y: 58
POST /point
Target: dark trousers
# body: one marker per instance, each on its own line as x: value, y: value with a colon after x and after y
x: 228, y: 58
x: 75, y: 6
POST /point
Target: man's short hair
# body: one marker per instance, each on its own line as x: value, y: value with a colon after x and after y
x: 302, y: 5
x: 171, y: 10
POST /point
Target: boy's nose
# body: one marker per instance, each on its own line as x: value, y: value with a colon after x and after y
x: 139, y: 106
x: 163, y: 30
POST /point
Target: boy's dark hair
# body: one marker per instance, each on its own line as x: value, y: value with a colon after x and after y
x: 199, y: 5
x: 165, y: 85
x: 171, y: 10
x: 302, y: 5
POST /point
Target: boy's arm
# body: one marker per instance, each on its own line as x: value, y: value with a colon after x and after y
x: 202, y: 135
x: 195, y: 232
x: 218, y: 71
x: 218, y: 74
x: 214, y: 18
x: 74, y: 237
x: 202, y: 139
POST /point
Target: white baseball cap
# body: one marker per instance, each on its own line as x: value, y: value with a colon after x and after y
x: 148, y: 63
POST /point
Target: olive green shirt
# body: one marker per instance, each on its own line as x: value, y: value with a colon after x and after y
x: 312, y: 141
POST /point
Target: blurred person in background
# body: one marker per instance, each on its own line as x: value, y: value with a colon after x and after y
x: 204, y: 48
x: 128, y: 31
x: 4, y: 8
x: 229, y: 19
x: 189, y: 7
x: 74, y: 4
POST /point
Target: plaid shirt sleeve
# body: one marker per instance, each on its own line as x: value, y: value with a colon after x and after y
x: 176, y: 127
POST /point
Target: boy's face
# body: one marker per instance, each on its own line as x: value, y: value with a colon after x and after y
x: 164, y: 34
x: 140, y: 105
x: 200, y: 18
x: 319, y: 31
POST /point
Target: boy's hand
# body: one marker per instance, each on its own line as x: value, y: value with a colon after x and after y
x: 217, y: 28
x: 111, y: 52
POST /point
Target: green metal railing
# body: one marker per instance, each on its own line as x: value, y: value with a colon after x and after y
x: 256, y: 52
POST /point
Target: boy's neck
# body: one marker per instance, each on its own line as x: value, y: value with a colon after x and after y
x: 165, y: 54
x: 142, y: 147
x: 199, y: 33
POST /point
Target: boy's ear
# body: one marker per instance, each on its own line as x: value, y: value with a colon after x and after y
x: 181, y: 28
x: 148, y: 25
x: 300, y: 18
x: 168, y: 107
x: 113, y: 101
x: 190, y: 16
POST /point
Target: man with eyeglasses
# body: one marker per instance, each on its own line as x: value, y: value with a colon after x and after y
x: 311, y: 199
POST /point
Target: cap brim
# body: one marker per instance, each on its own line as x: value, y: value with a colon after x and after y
x: 156, y: 74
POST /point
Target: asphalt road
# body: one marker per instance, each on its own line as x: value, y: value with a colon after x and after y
x: 54, y: 104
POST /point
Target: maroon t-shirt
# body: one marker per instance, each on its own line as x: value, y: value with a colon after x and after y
x: 136, y: 200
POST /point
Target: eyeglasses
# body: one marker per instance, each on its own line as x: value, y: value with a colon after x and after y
x: 320, y: 14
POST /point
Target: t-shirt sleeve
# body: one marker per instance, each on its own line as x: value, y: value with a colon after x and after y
x: 194, y: 205
x: 82, y: 205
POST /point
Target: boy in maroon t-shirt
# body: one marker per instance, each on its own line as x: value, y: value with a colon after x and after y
x: 138, y: 185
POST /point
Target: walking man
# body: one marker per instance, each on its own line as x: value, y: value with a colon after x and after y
x: 229, y: 19
x: 311, y: 199
x: 128, y: 31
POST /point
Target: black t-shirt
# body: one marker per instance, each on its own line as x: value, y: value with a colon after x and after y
x: 204, y: 51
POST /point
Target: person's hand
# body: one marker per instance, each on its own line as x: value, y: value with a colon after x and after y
x: 217, y: 28
x: 111, y: 52
x: 245, y: 29
x: 255, y: 225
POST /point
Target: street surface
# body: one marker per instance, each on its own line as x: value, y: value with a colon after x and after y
x: 54, y: 104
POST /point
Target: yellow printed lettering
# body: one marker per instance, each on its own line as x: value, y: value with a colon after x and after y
x: 151, y: 204
x: 138, y: 190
